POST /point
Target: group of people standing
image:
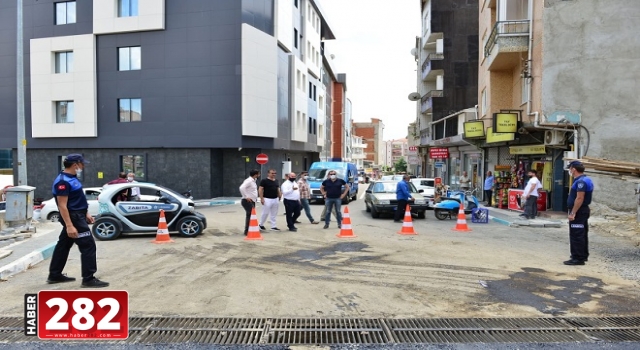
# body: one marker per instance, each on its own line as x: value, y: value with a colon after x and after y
x: 295, y: 193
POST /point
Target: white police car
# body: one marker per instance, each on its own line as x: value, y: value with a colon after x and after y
x: 142, y: 216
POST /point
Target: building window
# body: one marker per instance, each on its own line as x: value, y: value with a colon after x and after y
x: 484, y: 102
x: 134, y: 164
x: 129, y: 58
x: 130, y: 110
x: 315, y: 127
x: 321, y: 103
x: 314, y: 93
x: 295, y: 3
x: 310, y: 125
x: 64, y: 112
x: 65, y: 12
x: 64, y: 62
x: 295, y: 38
x: 127, y: 8
x: 310, y: 90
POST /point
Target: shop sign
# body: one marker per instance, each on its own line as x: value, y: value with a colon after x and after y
x: 438, y: 153
x: 414, y: 160
x: 493, y: 137
x: 530, y: 149
x: 437, y: 181
x: 473, y: 129
x: 505, y: 122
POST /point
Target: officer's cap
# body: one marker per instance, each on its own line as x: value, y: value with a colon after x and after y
x: 76, y: 158
x: 574, y: 164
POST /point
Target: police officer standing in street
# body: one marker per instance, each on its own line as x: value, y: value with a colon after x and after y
x: 578, y: 205
x: 72, y: 204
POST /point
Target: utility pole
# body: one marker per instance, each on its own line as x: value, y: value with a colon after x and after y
x: 22, y: 141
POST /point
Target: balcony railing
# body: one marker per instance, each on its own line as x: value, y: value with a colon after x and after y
x: 426, y: 102
x: 435, y: 56
x: 505, y: 28
x: 427, y: 65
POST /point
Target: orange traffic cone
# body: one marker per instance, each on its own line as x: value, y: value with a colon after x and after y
x: 254, y: 229
x: 163, y: 232
x: 345, y: 229
x: 407, y: 225
x: 461, y: 224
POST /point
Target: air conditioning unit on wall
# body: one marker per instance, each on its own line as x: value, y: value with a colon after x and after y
x: 554, y: 138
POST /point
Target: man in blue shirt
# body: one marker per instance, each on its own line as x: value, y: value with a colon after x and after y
x: 333, y: 192
x: 403, y: 195
x: 72, y: 204
x: 488, y: 188
x: 578, y: 204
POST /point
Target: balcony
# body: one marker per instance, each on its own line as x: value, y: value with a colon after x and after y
x: 433, y: 33
x: 504, y: 46
x: 432, y: 67
x: 426, y: 102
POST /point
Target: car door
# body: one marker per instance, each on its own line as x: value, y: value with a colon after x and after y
x: 147, y: 213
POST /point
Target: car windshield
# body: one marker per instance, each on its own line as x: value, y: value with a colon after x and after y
x: 390, y: 187
x: 321, y: 174
x: 426, y: 183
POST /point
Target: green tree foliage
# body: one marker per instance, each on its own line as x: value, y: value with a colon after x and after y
x: 401, y: 165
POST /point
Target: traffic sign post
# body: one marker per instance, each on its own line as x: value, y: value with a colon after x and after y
x: 262, y: 159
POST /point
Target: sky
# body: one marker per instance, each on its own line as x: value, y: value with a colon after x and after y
x: 373, y: 46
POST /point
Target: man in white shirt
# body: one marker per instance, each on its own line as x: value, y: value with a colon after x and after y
x: 291, y: 194
x: 464, y: 181
x: 249, y: 191
x: 530, y: 195
x: 135, y: 191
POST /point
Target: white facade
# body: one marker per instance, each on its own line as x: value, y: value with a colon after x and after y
x: 394, y: 150
x: 347, y: 129
x: 357, y: 154
x: 106, y: 20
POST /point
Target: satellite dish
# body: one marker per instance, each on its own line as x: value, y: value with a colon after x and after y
x: 332, y: 56
x: 414, y: 96
x: 414, y: 52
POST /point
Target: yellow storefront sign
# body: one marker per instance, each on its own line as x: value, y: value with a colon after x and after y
x: 498, y: 137
x: 506, y: 122
x: 474, y: 128
x: 529, y: 149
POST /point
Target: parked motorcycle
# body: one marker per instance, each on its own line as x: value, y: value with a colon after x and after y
x: 449, y: 206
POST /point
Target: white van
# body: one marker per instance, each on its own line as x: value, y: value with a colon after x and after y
x: 428, y: 185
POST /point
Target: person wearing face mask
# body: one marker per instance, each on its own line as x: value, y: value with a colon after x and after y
x: 333, y: 194
x: 75, y: 220
x: 135, y: 191
x: 291, y: 194
x: 305, y: 196
x: 579, y: 212
x: 269, y: 192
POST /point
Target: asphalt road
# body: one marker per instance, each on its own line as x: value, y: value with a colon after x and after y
x: 493, y: 271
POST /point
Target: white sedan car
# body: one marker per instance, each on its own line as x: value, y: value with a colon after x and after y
x: 50, y: 208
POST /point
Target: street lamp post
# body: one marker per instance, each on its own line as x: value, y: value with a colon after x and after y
x: 22, y: 141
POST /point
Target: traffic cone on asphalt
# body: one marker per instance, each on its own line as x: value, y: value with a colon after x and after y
x: 254, y: 230
x: 461, y: 224
x: 407, y: 225
x: 162, y: 236
x: 345, y: 229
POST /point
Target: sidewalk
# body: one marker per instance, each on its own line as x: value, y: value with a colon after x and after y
x: 513, y: 219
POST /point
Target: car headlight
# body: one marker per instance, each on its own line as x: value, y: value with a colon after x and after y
x: 384, y: 201
x: 420, y: 201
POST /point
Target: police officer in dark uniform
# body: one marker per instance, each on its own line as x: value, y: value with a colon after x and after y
x: 72, y: 204
x: 578, y: 204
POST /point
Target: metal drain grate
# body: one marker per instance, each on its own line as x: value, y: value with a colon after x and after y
x: 326, y: 331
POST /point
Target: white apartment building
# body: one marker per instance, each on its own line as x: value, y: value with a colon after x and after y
x: 396, y: 149
x: 357, y: 148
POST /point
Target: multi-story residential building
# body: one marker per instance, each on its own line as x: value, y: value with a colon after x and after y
x: 553, y: 73
x: 347, y: 129
x: 372, y: 134
x: 447, y: 66
x: 358, y: 155
x: 184, y: 93
x: 413, y: 141
x: 396, y: 150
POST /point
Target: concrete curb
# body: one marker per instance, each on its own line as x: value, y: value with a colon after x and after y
x: 27, y: 261
x: 500, y: 221
x: 223, y: 202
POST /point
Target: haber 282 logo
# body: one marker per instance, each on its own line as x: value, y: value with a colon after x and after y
x: 68, y: 314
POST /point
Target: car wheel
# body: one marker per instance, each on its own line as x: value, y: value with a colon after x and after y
x: 53, y: 216
x: 355, y: 197
x: 441, y: 214
x: 374, y: 213
x: 366, y: 207
x: 421, y: 215
x: 190, y: 226
x: 106, y: 229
